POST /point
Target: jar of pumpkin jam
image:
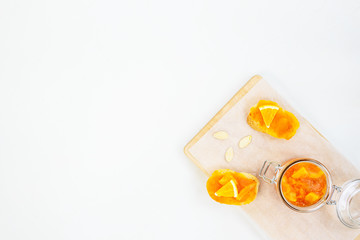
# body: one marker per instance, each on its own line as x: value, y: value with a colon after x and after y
x: 305, y: 185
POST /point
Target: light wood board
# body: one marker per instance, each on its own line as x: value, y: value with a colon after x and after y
x: 268, y: 211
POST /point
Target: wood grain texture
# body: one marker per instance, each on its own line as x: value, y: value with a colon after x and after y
x: 267, y: 210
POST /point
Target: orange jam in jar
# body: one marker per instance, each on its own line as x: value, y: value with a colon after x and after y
x: 303, y: 184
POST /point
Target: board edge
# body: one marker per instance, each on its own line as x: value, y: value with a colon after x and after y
x: 236, y: 98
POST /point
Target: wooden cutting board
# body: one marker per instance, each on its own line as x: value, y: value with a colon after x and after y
x: 268, y: 211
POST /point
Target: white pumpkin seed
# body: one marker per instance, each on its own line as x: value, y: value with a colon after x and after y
x: 229, y: 154
x: 221, y: 135
x: 245, y: 141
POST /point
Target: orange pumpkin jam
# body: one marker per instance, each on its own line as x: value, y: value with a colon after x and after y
x: 303, y: 184
x: 240, y: 188
x: 268, y: 117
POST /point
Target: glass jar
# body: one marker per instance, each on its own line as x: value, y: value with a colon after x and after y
x: 347, y: 196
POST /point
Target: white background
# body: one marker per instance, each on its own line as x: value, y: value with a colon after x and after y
x: 98, y: 99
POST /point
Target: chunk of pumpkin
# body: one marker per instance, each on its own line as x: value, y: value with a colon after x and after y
x: 312, y: 198
x: 301, y: 173
x: 227, y: 178
x: 246, y: 184
x: 247, y: 194
x: 316, y: 174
